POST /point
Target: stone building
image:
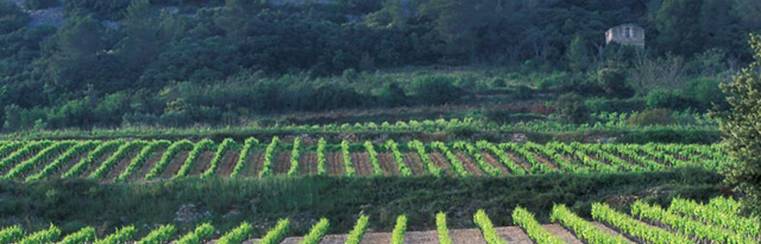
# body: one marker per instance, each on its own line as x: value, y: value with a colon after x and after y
x: 626, y: 34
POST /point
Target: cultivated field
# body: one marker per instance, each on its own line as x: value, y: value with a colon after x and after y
x: 684, y: 221
x: 140, y: 160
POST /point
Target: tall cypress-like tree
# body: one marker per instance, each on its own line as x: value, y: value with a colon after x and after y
x: 742, y: 130
x: 578, y: 55
x: 678, y: 26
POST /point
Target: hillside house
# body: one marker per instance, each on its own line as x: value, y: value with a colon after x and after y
x: 626, y: 34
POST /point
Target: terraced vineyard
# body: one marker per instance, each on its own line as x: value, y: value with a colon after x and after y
x: 684, y: 221
x: 139, y: 160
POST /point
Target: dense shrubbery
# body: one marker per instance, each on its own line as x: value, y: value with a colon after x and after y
x: 151, y: 65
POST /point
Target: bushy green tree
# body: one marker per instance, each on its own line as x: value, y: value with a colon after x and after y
x: 570, y: 108
x: 742, y: 131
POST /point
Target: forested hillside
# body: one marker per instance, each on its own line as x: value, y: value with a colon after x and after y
x: 109, y: 63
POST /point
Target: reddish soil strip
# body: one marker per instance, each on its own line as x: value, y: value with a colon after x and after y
x: 561, y: 232
x: 376, y: 238
x: 333, y: 239
x: 308, y: 163
x: 282, y: 163
x: 468, y: 163
x: 609, y: 230
x: 228, y: 163
x: 513, y: 234
x: 421, y: 237
x: 388, y: 164
x: 495, y: 162
x: 541, y: 158
x: 147, y: 166
x: 335, y: 163
x: 175, y: 164
x: 441, y: 162
x: 469, y: 236
x: 95, y: 164
x: 121, y: 165
x: 38, y: 167
x: 414, y: 163
x: 362, y: 163
x: 519, y: 160
x: 254, y: 165
x: 13, y: 164
x: 202, y: 163
x: 67, y: 165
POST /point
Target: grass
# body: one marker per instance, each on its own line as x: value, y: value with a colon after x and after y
x: 72, y: 204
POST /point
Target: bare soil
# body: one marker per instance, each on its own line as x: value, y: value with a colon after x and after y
x: 388, y: 164
x: 228, y: 163
x: 308, y: 163
x: 254, y: 165
x: 440, y: 161
x: 495, y: 162
x: 361, y: 163
x: 335, y: 163
x: 561, y: 232
x: 175, y: 164
x: 147, y: 165
x: 202, y: 163
x: 414, y: 163
x: 469, y: 164
x: 121, y: 165
x: 282, y: 163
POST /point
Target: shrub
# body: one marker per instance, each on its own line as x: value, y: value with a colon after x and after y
x: 436, y: 90
x: 41, y: 4
x: 571, y: 108
x: 658, y: 116
x: 660, y: 98
x: 613, y: 82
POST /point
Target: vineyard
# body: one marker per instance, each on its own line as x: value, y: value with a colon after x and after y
x: 140, y: 160
x: 684, y: 221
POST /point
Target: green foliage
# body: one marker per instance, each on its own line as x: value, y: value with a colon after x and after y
x: 741, y: 129
x: 487, y: 228
x: 201, y: 233
x: 84, y: 235
x: 571, y: 108
x: 441, y: 229
x: 11, y: 17
x: 162, y: 234
x: 41, y: 4
x: 356, y: 234
x: 578, y: 55
x: 435, y: 90
x: 400, y: 228
x: 534, y: 229
x: 11, y: 234
x: 237, y: 235
x: 277, y: 233
x: 121, y: 235
x: 43, y: 236
x: 319, y: 230
x: 613, y: 82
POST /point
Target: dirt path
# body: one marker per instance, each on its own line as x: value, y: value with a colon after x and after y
x: 469, y: 164
x: 147, y: 166
x: 495, y: 162
x: 414, y: 163
x: 202, y: 163
x: 388, y: 164
x: 519, y: 160
x: 175, y: 164
x: 308, y: 163
x: 609, y: 230
x: 441, y: 162
x: 335, y: 163
x: 361, y: 163
x: 228, y: 163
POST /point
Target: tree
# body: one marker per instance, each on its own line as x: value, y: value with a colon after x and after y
x: 578, y: 55
x: 571, y: 108
x: 742, y: 132
x: 677, y: 23
x: 74, y: 58
x: 141, y: 41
